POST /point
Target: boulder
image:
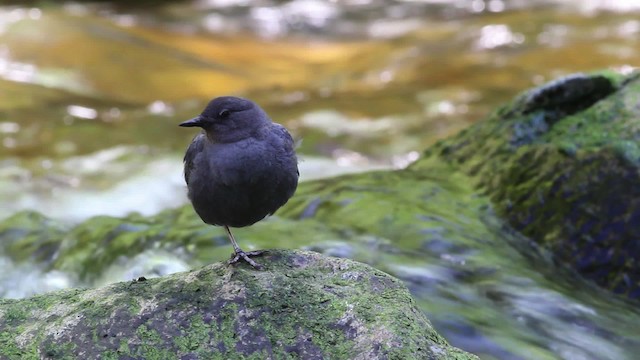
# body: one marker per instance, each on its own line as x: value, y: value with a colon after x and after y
x: 304, y: 305
x: 562, y: 165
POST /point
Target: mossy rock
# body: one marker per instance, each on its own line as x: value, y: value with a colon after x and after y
x: 562, y: 164
x: 303, y: 306
x: 390, y: 209
x: 30, y: 236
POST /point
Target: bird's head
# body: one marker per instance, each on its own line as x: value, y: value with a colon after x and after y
x: 229, y: 118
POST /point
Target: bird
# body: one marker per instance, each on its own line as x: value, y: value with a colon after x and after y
x: 240, y: 168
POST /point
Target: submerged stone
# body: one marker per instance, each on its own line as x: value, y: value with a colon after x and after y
x: 305, y: 305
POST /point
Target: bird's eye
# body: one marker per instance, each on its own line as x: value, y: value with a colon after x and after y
x: 224, y: 113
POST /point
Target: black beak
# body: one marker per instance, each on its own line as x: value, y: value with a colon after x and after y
x: 196, y: 121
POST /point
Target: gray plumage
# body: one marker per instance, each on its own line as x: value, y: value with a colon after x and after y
x: 241, y: 168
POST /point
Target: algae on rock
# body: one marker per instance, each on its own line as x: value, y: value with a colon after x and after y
x: 305, y: 305
x: 562, y: 164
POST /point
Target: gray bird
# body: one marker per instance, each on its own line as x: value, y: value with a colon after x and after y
x: 240, y: 168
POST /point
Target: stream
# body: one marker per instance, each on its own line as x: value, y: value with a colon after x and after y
x: 91, y: 94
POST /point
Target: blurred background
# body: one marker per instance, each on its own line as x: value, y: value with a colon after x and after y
x: 91, y: 94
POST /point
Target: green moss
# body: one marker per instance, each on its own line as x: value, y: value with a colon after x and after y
x: 58, y: 351
x: 302, y: 300
x: 10, y: 350
x: 29, y: 235
x: 15, y: 313
x: 226, y: 332
x: 196, y: 338
x: 96, y: 243
x: 151, y: 345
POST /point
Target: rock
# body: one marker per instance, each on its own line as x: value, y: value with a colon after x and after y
x: 562, y: 164
x: 30, y: 235
x: 305, y: 305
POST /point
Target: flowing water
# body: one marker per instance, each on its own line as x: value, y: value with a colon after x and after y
x: 91, y: 95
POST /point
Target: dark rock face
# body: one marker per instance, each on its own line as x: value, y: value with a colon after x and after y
x: 305, y: 305
x: 565, y: 96
x: 562, y: 164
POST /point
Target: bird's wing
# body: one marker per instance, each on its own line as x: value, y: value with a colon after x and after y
x: 194, y: 148
x: 287, y: 139
x: 284, y: 135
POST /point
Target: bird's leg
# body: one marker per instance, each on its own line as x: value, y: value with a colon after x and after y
x: 239, y: 254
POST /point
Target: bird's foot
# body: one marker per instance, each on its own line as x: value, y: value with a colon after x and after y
x: 241, y: 255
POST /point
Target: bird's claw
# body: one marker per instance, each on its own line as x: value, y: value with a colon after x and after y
x: 241, y: 255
